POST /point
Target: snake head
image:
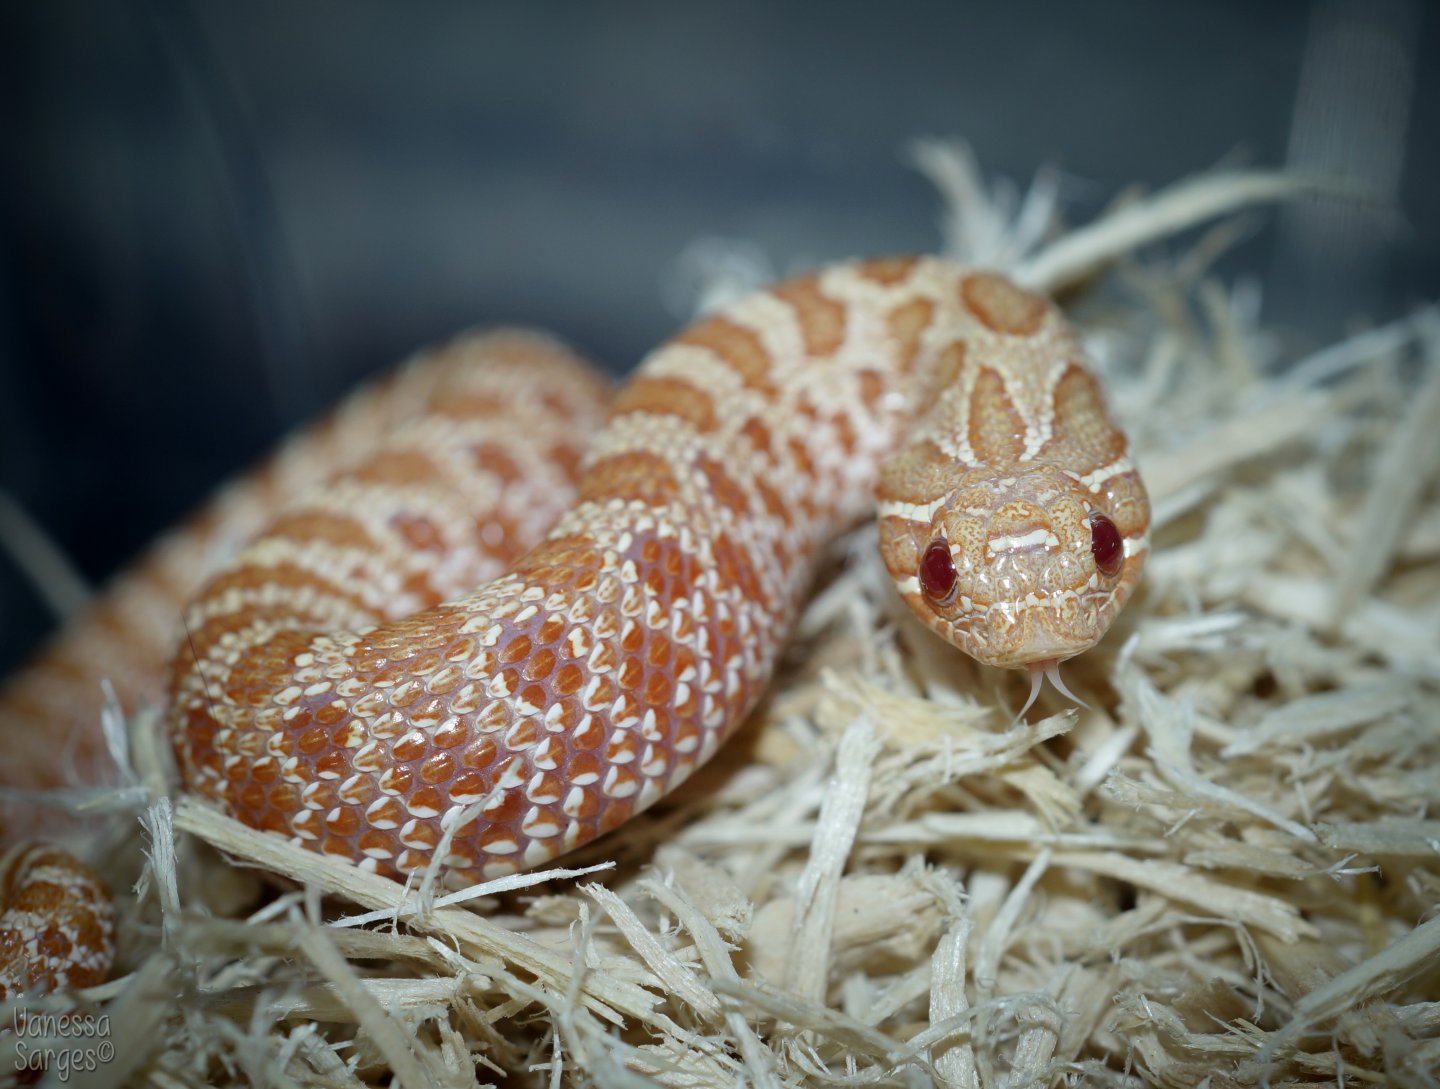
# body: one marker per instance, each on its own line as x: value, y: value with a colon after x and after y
x: 1024, y: 566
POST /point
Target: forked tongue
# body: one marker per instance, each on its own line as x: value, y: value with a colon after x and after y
x: 1048, y: 669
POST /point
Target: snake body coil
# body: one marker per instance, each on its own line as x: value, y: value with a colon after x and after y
x: 350, y: 687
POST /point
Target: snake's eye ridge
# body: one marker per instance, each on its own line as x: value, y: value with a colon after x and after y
x: 937, y: 573
x: 1106, y: 545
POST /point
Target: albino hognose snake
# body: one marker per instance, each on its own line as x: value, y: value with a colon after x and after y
x: 350, y: 688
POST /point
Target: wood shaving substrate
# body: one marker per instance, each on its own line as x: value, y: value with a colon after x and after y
x: 1223, y: 872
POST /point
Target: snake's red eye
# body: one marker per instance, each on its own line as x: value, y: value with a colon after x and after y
x: 1106, y: 544
x: 937, y: 573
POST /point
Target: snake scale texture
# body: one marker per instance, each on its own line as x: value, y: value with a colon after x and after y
x: 509, y: 622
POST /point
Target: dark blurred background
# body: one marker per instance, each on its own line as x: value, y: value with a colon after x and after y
x: 216, y: 217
